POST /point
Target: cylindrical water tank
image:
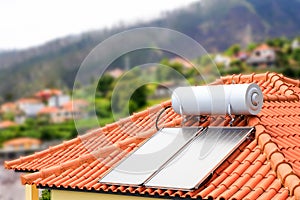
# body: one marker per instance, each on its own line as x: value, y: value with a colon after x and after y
x: 244, y: 99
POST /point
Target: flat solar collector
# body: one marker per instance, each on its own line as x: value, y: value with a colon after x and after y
x: 193, y: 164
x: 150, y: 157
x: 177, y: 158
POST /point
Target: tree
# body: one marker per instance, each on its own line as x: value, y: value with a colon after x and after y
x: 105, y: 83
x: 233, y: 50
x: 296, y: 55
x: 138, y: 99
x: 251, y: 46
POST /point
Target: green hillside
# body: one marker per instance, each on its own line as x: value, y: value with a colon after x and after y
x: 216, y: 24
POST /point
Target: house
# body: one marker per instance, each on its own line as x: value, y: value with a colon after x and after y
x: 224, y: 60
x: 50, y: 113
x: 24, y: 143
x: 70, y: 110
x: 79, y: 104
x: 242, y: 56
x: 58, y: 100
x: 165, y: 89
x: 181, y: 61
x: 45, y: 94
x: 54, y: 97
x: 265, y: 166
x: 116, y: 73
x: 295, y: 44
x: 8, y: 107
x: 79, y: 107
x: 30, y: 106
x: 7, y: 124
x: 262, y: 55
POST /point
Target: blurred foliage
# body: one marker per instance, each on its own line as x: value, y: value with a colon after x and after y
x: 287, y: 63
x: 216, y: 26
x: 46, y: 195
x: 233, y: 50
x: 34, y: 129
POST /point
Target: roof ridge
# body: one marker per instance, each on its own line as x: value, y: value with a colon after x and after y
x: 278, y: 82
x: 282, y: 168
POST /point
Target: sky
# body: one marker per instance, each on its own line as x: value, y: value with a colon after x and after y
x: 27, y: 23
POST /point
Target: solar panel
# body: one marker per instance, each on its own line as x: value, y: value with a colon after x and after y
x: 194, y: 163
x: 150, y: 157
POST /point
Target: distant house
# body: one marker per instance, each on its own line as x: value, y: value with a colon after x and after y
x: 262, y: 55
x: 45, y: 94
x: 224, y: 60
x: 58, y: 100
x: 79, y: 104
x: 295, y: 44
x: 242, y: 56
x: 68, y: 111
x: 181, y: 61
x: 79, y: 107
x: 7, y: 124
x: 165, y: 89
x: 116, y: 72
x: 30, y: 106
x: 22, y: 144
x: 50, y: 113
x: 8, y: 107
x: 57, y: 115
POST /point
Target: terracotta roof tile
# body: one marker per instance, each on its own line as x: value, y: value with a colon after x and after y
x: 264, y: 168
x: 7, y: 124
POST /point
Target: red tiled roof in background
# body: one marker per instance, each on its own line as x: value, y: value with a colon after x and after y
x: 267, y: 167
x: 8, y: 106
x: 46, y: 93
x: 7, y: 124
x: 29, y: 100
x: 263, y: 47
x: 75, y: 104
x: 48, y: 110
x: 22, y: 141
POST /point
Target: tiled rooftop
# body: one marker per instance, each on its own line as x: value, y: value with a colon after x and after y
x: 7, y: 124
x: 264, y: 168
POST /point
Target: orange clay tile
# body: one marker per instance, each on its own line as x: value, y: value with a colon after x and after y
x: 268, y: 167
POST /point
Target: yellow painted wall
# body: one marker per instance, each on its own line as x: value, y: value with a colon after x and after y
x: 64, y: 195
x: 31, y: 192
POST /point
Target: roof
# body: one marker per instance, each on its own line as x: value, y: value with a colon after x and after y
x: 29, y: 101
x: 74, y: 105
x: 264, y: 168
x: 8, y: 105
x: 116, y: 72
x: 75, y: 102
x: 7, y: 124
x: 48, y: 110
x: 46, y: 93
x: 21, y: 141
x: 182, y: 61
x: 263, y: 47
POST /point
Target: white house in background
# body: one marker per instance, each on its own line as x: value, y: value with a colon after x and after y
x: 181, y: 61
x: 75, y: 109
x: 220, y: 59
x: 295, y: 44
x: 58, y: 100
x: 30, y: 106
x: 262, y: 55
x: 116, y: 73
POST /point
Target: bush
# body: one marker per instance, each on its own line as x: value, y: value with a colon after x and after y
x: 46, y: 195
